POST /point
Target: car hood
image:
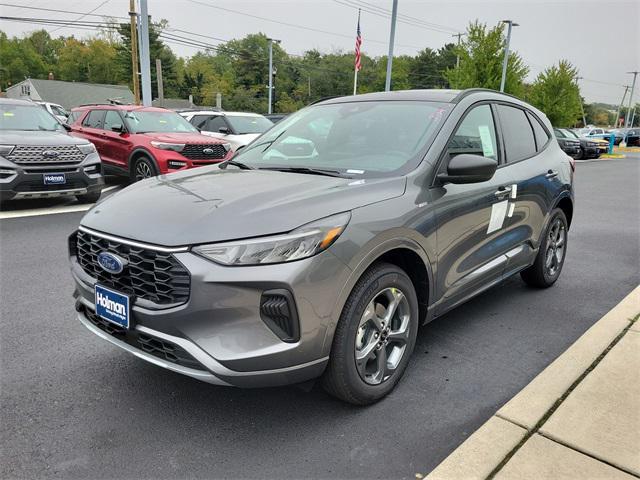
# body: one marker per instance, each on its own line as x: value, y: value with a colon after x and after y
x: 182, y: 138
x: 209, y: 204
x: 24, y: 137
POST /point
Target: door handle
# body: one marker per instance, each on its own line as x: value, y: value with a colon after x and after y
x: 502, y: 191
x: 551, y: 174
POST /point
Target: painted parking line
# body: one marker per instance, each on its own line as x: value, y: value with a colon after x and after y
x: 34, y: 212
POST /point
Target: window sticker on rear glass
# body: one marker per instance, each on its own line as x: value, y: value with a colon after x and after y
x: 487, y: 142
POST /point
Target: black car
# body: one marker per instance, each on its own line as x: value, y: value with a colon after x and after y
x: 570, y: 146
x: 630, y: 135
x: 588, y: 148
x: 320, y: 249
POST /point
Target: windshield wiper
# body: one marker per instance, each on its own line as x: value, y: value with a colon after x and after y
x: 235, y: 163
x: 310, y: 171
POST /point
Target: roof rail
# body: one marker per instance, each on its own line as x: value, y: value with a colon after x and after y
x: 469, y: 91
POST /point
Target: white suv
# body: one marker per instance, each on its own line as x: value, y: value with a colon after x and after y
x: 237, y: 128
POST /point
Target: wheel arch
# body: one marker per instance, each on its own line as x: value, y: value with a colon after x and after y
x: 565, y: 203
x: 136, y: 154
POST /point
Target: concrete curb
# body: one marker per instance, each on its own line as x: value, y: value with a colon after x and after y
x: 492, y: 444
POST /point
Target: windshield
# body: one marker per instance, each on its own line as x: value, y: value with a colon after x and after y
x: 166, y: 122
x: 569, y: 133
x: 27, y: 117
x: 357, y: 138
x: 242, y: 124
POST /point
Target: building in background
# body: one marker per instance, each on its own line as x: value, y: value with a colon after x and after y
x: 69, y: 94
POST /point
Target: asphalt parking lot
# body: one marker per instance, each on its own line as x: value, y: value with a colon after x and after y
x: 74, y: 406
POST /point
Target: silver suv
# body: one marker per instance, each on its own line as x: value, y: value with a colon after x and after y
x: 321, y: 248
x: 38, y: 158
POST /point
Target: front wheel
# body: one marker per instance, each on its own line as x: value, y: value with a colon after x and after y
x: 143, y: 168
x: 553, y: 248
x: 374, y: 338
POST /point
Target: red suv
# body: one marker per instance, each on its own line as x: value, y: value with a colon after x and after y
x: 142, y: 142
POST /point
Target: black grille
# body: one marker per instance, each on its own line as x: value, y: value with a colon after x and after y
x: 150, y: 275
x: 152, y: 345
x: 196, y: 151
x: 278, y: 311
x: 42, y: 154
x: 37, y: 185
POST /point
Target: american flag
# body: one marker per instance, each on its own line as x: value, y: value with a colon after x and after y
x: 358, y: 43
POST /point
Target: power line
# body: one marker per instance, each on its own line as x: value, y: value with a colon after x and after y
x: 83, y: 15
x: 88, y: 14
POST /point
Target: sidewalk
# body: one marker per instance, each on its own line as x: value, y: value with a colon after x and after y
x: 578, y: 419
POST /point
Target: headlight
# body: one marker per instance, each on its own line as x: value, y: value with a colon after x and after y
x: 227, y: 146
x: 303, y: 242
x: 87, y: 148
x: 6, y: 150
x: 591, y: 144
x: 176, y: 147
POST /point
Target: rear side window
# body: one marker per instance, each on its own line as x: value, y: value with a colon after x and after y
x: 519, y: 141
x: 476, y: 135
x: 94, y: 119
x: 542, y: 137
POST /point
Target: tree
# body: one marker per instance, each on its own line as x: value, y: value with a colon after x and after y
x: 427, y: 69
x: 555, y: 91
x: 481, y: 57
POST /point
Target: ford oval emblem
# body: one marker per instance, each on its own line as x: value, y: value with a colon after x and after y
x: 50, y: 154
x: 111, y: 263
x: 208, y: 151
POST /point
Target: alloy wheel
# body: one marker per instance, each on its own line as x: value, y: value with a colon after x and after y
x: 382, y: 336
x: 556, y: 241
x: 143, y: 170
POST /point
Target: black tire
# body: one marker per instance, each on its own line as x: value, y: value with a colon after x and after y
x: 580, y: 155
x: 540, y: 274
x: 89, y: 197
x: 143, y: 168
x: 342, y: 378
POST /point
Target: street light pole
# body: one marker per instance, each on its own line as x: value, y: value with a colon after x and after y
x: 633, y: 86
x: 392, y: 35
x: 511, y: 24
x: 584, y: 119
x: 145, y: 67
x: 271, y: 40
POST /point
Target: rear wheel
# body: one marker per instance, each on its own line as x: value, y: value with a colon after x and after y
x: 143, y: 168
x: 548, y: 264
x: 374, y: 338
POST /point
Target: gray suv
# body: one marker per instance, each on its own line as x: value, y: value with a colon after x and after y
x: 39, y: 159
x: 321, y: 248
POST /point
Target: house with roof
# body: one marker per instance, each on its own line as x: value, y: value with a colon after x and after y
x: 69, y: 94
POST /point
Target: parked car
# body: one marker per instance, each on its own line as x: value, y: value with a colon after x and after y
x: 598, y: 135
x: 56, y: 110
x: 570, y: 146
x: 275, y: 269
x: 38, y: 158
x: 141, y: 142
x: 589, y: 147
x: 276, y: 117
x: 237, y: 128
x: 630, y: 135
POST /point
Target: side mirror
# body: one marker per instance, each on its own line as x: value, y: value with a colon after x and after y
x: 466, y: 168
x: 224, y: 130
x: 118, y: 127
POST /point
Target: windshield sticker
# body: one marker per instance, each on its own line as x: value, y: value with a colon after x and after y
x: 356, y: 172
x: 8, y: 114
x: 487, y: 142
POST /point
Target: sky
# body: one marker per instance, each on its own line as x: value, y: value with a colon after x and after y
x: 601, y: 38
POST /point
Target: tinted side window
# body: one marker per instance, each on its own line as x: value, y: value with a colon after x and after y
x: 112, y: 118
x: 476, y: 135
x: 199, y: 121
x: 518, y: 137
x: 94, y: 119
x: 542, y: 137
x: 215, y: 123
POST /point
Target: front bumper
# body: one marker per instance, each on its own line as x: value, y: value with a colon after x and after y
x: 220, y: 325
x: 23, y: 182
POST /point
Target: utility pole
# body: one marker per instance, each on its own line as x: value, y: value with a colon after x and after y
x: 134, y: 52
x: 584, y: 119
x: 633, y: 86
x: 160, y: 84
x: 459, y: 35
x: 271, y: 40
x: 392, y: 35
x: 626, y: 88
x: 511, y: 24
x: 145, y: 67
